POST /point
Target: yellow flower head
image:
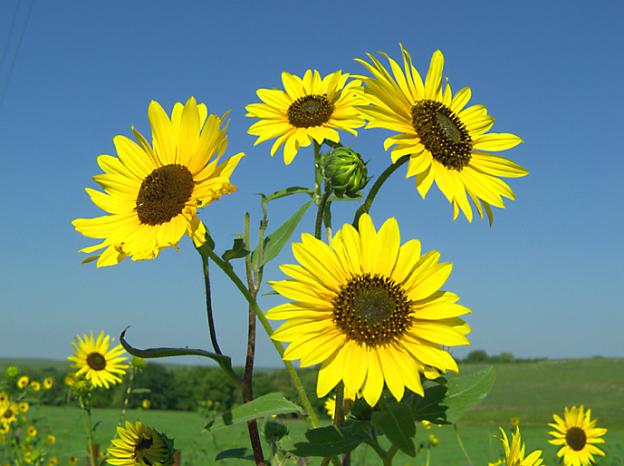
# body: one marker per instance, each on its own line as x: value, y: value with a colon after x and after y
x: 73, y: 460
x: 95, y: 360
x: 22, y: 382
x: 48, y: 383
x: 70, y: 379
x: 4, y: 398
x: 514, y: 452
x: 137, y: 444
x: 433, y: 440
x: 577, y: 435
x: 23, y: 407
x: 145, y: 404
x: 446, y: 141
x: 514, y: 421
x: 152, y: 193
x: 53, y: 461
x: 5, y: 427
x: 370, y: 310
x: 31, y: 431
x: 8, y: 412
x: 51, y: 439
x: 308, y: 109
x: 35, y: 386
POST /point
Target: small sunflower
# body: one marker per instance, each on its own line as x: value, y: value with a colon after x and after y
x: 73, y: 460
x: 514, y: 421
x: 152, y: 193
x: 48, y: 383
x: 145, y: 404
x: 577, y: 434
x: 514, y: 452
x: 137, y: 444
x: 4, y: 397
x: 8, y: 413
x: 22, y: 382
x: 53, y: 461
x: 370, y: 310
x: 31, y: 431
x: 447, y: 142
x: 309, y: 109
x: 35, y: 386
x: 23, y: 407
x: 433, y: 440
x: 51, y: 439
x: 70, y: 379
x: 101, y: 365
x: 5, y: 428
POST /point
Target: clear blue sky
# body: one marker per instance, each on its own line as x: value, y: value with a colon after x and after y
x: 544, y: 281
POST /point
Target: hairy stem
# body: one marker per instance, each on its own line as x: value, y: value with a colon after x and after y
x: 85, y: 405
x: 366, y: 206
x: 320, y: 213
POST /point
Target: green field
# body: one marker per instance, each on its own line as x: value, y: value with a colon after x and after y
x: 529, y: 391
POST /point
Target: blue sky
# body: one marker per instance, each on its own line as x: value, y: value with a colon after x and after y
x: 543, y: 281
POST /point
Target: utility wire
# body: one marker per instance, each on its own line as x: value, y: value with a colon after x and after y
x: 17, y: 49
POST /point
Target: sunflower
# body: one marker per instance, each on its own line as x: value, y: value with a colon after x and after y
x: 53, y: 461
x: 51, y: 439
x: 370, y: 310
x: 95, y: 360
x: 8, y: 413
x: 137, y: 444
x: 152, y: 193
x: 330, y: 403
x: 48, y: 383
x: 22, y: 382
x: 312, y: 108
x: 145, y: 404
x: 31, y: 431
x: 23, y: 407
x: 514, y: 421
x: 5, y: 428
x: 35, y: 386
x: 73, y: 460
x: 447, y: 142
x: 577, y: 434
x: 4, y: 398
x: 514, y: 453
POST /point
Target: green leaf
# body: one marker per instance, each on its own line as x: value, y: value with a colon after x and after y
x: 274, y: 243
x: 431, y: 407
x: 235, y: 453
x: 466, y: 391
x: 140, y: 391
x: 224, y: 361
x: 333, y: 440
x: 397, y: 424
x: 286, y: 192
x: 237, y: 250
x: 266, y: 405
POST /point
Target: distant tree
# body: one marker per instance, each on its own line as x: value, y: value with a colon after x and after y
x: 477, y: 356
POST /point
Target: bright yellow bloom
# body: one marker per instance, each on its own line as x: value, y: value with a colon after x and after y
x: 577, y: 434
x: 70, y: 379
x: 22, y: 382
x: 51, y: 439
x: 447, y: 143
x: 145, y: 404
x: 514, y: 453
x: 53, y: 461
x: 4, y: 397
x: 48, y: 383
x: 8, y: 412
x: 23, y: 407
x: 95, y: 360
x: 35, y: 386
x: 5, y: 427
x: 152, y: 193
x: 137, y: 444
x: 433, y: 440
x: 31, y: 431
x: 309, y: 109
x: 370, y: 310
x: 514, y: 421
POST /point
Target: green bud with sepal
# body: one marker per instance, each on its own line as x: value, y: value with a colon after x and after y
x: 345, y: 172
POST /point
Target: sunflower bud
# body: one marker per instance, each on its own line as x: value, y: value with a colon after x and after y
x: 345, y: 172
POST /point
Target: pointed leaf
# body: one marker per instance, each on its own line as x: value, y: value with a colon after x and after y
x: 274, y: 243
x: 266, y: 405
x: 286, y: 192
x: 237, y: 250
x: 466, y: 391
x: 397, y: 423
x: 235, y: 453
x: 333, y: 440
x: 431, y: 407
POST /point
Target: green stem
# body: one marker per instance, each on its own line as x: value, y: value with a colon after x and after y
x: 317, y: 172
x: 127, y: 395
x: 209, y: 313
x: 320, y: 213
x: 461, y: 445
x: 387, y: 460
x: 428, y: 457
x: 227, y: 269
x: 86, y: 409
x: 366, y: 206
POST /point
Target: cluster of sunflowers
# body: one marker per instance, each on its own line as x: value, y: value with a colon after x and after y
x: 24, y: 438
x: 366, y: 307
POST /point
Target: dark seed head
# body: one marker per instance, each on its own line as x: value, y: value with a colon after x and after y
x: 576, y: 438
x: 310, y: 110
x: 442, y: 133
x: 164, y: 193
x: 96, y: 361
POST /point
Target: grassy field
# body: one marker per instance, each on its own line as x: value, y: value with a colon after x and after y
x: 529, y: 391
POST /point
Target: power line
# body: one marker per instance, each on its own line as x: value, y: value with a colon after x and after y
x: 17, y: 49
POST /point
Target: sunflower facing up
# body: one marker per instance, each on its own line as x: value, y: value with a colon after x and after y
x: 308, y: 109
x: 152, y: 193
x: 514, y: 452
x: 370, y: 310
x: 137, y: 444
x: 577, y: 435
x: 96, y: 361
x: 447, y: 142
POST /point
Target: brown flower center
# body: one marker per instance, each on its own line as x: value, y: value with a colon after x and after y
x: 8, y: 413
x: 372, y: 310
x: 142, y: 448
x: 96, y: 361
x: 576, y: 438
x: 164, y: 193
x: 310, y: 110
x: 442, y: 133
